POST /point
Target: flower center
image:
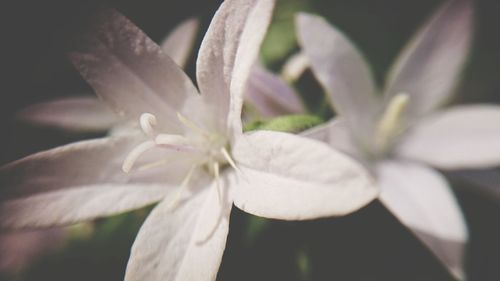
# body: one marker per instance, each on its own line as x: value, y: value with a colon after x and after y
x: 210, y: 150
x: 389, y: 124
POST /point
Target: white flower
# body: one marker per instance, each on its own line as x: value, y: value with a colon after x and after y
x: 399, y: 133
x: 191, y: 155
x: 86, y: 113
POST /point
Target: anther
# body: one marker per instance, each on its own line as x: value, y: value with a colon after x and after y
x: 147, y: 122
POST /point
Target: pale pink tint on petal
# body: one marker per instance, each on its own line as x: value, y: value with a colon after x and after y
x: 460, y: 137
x: 284, y: 176
x: 129, y: 71
x: 184, y: 243
x: 77, y: 204
x: 270, y: 95
x: 82, y: 163
x: 430, y: 65
x: 422, y: 200
x: 227, y: 53
x: 73, y: 114
x: 179, y: 42
x: 342, y: 72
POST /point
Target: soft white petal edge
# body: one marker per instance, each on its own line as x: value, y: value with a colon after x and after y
x: 428, y: 68
x: 289, y: 177
x: 422, y: 199
x: 457, y: 138
x: 227, y: 53
x: 341, y: 70
x: 179, y: 42
x: 185, y: 243
x: 77, y: 204
x: 74, y: 114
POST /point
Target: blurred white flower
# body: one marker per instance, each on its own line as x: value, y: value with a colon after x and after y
x: 190, y: 154
x: 399, y: 133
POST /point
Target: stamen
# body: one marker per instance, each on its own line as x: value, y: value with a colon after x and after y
x: 217, y: 181
x: 390, y: 121
x: 172, y: 140
x: 230, y: 160
x: 135, y: 153
x: 191, y: 125
x: 147, y: 122
x: 153, y: 165
x: 184, y: 184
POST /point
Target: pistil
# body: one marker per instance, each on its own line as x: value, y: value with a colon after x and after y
x: 390, y: 123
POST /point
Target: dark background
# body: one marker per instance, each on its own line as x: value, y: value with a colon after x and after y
x: 367, y: 245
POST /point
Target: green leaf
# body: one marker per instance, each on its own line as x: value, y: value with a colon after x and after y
x: 281, y: 39
x: 287, y: 123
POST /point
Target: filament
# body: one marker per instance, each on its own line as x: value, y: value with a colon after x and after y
x: 135, y: 153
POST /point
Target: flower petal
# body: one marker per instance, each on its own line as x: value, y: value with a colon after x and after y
x: 270, y: 95
x: 227, y: 53
x: 185, y: 243
x: 74, y: 114
x: 78, y: 164
x: 341, y: 70
x: 179, y: 43
x: 429, y: 66
x: 457, y: 138
x: 422, y: 200
x: 130, y: 72
x: 290, y: 177
x: 77, y: 204
x: 336, y: 134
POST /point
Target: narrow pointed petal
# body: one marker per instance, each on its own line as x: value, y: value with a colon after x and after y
x: 422, y: 200
x: 284, y: 176
x: 129, y: 71
x: 185, y: 243
x: 270, y: 95
x: 83, y: 203
x: 227, y: 53
x: 74, y: 114
x: 458, y: 138
x: 179, y: 43
x: 341, y: 70
x: 430, y: 65
x: 336, y: 134
x: 77, y: 164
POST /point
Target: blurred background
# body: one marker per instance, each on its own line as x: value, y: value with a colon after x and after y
x: 367, y: 245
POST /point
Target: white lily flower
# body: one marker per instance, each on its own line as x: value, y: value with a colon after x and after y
x: 400, y: 134
x: 191, y: 155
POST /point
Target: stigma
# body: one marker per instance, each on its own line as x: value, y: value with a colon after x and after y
x: 389, y: 124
